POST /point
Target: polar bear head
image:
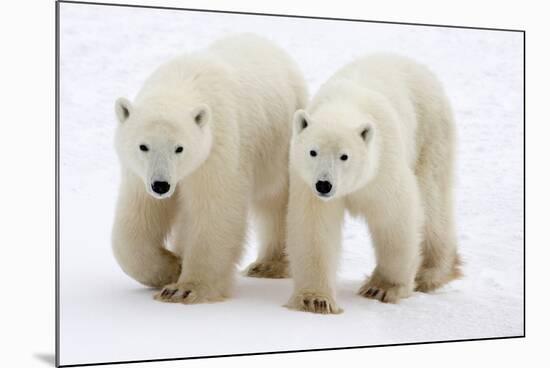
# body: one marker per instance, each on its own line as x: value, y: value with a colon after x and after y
x: 334, y: 150
x: 162, y: 144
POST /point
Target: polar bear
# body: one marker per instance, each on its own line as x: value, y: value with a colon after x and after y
x: 377, y: 140
x: 207, y: 135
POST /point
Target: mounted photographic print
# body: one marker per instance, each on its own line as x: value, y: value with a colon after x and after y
x: 234, y: 183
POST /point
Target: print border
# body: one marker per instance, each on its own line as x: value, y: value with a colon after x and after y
x: 57, y: 176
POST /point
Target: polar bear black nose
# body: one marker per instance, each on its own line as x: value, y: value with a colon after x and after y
x: 323, y: 186
x: 160, y: 187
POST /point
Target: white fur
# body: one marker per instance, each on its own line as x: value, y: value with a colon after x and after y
x: 391, y: 118
x: 230, y: 108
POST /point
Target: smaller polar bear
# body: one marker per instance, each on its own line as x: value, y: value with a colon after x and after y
x: 378, y: 140
x: 206, y: 138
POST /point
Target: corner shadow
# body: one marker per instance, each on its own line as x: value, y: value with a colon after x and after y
x: 46, y: 358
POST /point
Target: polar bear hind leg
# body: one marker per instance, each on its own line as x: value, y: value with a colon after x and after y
x: 441, y: 262
x: 270, y: 213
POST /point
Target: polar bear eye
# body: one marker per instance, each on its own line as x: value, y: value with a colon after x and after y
x: 313, y: 153
x: 143, y: 148
x: 179, y: 149
x: 344, y: 157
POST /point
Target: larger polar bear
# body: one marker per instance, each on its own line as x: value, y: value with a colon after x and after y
x: 207, y: 135
x: 378, y: 139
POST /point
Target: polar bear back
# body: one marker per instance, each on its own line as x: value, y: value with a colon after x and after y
x: 413, y: 91
x: 253, y: 89
x: 270, y: 88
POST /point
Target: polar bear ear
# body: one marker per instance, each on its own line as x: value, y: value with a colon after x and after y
x: 301, y: 121
x: 201, y: 115
x: 366, y: 132
x: 123, y: 108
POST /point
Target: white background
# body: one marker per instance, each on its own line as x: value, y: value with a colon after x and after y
x: 28, y: 194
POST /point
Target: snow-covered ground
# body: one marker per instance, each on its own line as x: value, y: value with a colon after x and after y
x: 106, y: 52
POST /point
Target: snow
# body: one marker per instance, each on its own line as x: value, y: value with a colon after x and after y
x: 107, y: 52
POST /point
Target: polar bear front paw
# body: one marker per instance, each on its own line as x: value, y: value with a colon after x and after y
x: 187, y: 293
x: 313, y: 302
x: 268, y: 269
x: 384, y: 291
